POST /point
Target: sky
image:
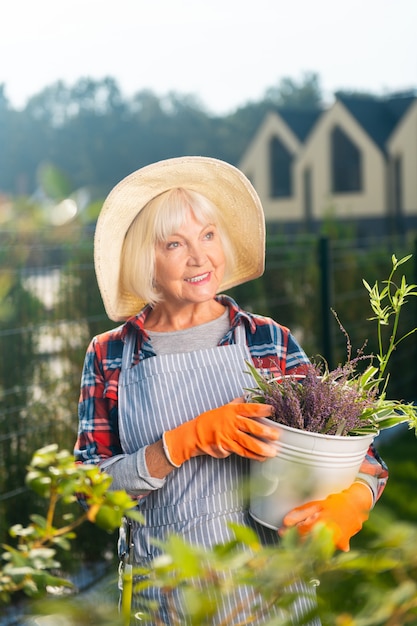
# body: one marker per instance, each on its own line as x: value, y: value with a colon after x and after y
x: 224, y: 52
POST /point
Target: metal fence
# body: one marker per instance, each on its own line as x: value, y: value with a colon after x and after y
x: 50, y: 308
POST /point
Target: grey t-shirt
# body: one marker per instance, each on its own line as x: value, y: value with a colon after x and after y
x: 198, y: 337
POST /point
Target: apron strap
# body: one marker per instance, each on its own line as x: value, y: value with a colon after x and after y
x: 240, y: 335
x: 128, y: 348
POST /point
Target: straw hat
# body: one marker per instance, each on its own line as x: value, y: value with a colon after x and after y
x: 220, y: 182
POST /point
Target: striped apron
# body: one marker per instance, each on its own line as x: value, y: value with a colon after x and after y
x: 199, y: 499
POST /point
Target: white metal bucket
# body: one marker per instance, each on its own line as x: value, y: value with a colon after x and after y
x: 308, y: 466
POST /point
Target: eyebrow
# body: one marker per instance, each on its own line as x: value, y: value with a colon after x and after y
x: 208, y: 225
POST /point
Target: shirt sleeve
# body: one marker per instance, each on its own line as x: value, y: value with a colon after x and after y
x: 373, y: 472
x: 297, y: 361
x: 274, y: 350
x: 98, y: 436
x: 98, y: 439
x: 130, y: 472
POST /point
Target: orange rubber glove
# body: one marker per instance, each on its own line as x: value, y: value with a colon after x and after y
x: 221, y: 432
x: 344, y: 513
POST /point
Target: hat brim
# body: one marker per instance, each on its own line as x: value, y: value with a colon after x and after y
x: 223, y: 184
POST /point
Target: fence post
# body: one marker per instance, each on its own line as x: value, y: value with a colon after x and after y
x: 415, y: 320
x: 326, y: 300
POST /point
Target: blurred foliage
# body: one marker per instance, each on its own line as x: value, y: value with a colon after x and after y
x: 398, y: 450
x: 95, y: 135
x: 388, y: 538
x: 376, y: 586
x: 43, y: 335
x: 372, y: 586
x: 305, y: 93
x: 53, y: 475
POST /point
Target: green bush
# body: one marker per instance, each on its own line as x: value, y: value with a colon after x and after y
x: 374, y: 585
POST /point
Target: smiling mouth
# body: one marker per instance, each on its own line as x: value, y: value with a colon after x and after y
x: 198, y: 279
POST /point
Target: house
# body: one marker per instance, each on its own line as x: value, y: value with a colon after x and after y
x: 402, y: 150
x: 270, y: 160
x: 355, y: 163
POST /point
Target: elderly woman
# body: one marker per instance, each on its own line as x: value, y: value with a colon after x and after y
x: 161, y: 407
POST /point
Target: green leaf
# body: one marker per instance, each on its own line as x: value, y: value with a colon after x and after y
x: 401, y: 261
x: 367, y: 285
x: 39, y: 484
x: 185, y: 555
x: 62, y: 542
x: 199, y: 605
x: 245, y: 535
x: 38, y: 520
x: 135, y: 515
x: 109, y: 518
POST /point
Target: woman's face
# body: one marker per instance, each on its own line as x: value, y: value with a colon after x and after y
x: 190, y: 265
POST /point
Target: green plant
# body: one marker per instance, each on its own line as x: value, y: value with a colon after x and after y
x: 376, y: 586
x: 207, y: 579
x: 53, y: 475
x: 344, y: 401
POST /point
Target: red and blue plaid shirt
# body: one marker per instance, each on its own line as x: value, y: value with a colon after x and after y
x: 273, y: 348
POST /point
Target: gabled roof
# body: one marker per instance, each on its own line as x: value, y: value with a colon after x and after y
x: 378, y: 116
x: 300, y: 121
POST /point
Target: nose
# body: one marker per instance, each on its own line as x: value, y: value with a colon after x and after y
x: 197, y: 254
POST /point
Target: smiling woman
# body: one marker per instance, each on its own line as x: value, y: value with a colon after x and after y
x: 161, y: 407
x: 189, y: 268
x: 178, y: 227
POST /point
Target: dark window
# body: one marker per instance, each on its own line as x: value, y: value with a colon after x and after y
x: 281, y: 169
x: 397, y: 166
x: 398, y: 201
x: 346, y: 163
x: 308, y: 198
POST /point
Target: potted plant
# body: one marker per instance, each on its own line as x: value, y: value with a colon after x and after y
x: 328, y: 419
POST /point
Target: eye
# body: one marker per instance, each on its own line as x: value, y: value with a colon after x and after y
x: 171, y: 245
x: 210, y: 234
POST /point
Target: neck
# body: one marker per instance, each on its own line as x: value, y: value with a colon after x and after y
x: 166, y: 318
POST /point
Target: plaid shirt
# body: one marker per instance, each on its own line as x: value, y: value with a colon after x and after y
x: 273, y: 349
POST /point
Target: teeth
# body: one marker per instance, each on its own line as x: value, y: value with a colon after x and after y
x: 197, y: 279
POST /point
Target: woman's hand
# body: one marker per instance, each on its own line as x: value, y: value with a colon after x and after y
x: 344, y: 513
x: 220, y: 432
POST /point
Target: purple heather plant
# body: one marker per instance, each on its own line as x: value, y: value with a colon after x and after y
x: 345, y: 401
x: 326, y: 402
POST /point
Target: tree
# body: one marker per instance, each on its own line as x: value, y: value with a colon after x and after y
x: 58, y: 103
x: 303, y: 94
